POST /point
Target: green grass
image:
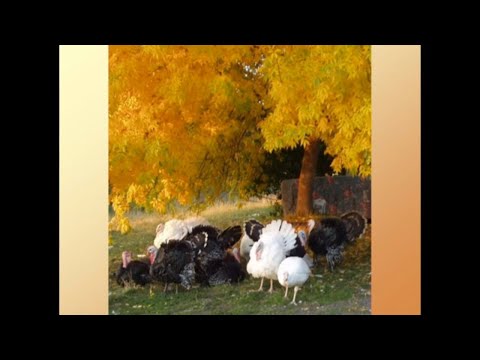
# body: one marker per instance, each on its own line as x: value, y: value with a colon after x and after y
x: 346, y: 291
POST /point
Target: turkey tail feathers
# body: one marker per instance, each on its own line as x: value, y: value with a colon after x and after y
x: 230, y: 236
x: 285, y: 229
x: 274, y: 226
x: 355, y: 224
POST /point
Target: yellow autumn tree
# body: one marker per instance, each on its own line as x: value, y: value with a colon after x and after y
x: 188, y: 123
x: 182, y: 125
x: 319, y: 94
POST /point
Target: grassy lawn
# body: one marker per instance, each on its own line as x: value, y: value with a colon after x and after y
x: 346, y: 291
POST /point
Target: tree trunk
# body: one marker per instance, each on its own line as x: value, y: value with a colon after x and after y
x: 305, y: 182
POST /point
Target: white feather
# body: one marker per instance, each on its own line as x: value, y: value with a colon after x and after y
x: 253, y: 266
x: 277, y: 239
x: 159, y: 228
x: 246, y: 244
x: 282, y: 231
x: 173, y: 230
x: 267, y: 265
x: 177, y: 229
x: 295, y: 270
x: 272, y: 255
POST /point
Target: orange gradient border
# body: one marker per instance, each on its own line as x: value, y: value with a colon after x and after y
x: 83, y: 179
x: 83, y: 169
x: 396, y: 179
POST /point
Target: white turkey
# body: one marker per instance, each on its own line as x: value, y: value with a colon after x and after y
x: 276, y: 240
x: 293, y: 272
x: 253, y: 230
x: 176, y: 229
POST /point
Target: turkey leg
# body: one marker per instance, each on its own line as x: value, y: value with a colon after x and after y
x: 295, y: 295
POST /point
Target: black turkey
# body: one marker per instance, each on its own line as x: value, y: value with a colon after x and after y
x: 133, y: 270
x: 230, y: 271
x: 210, y: 258
x: 175, y: 263
x: 331, y: 235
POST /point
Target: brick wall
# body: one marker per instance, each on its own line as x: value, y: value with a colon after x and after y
x: 332, y: 195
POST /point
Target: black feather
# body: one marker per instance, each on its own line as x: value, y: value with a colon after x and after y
x: 211, y: 231
x: 355, y: 225
x: 230, y: 236
x: 197, y: 241
x: 136, y: 271
x: 328, y: 239
x: 208, y: 260
x: 174, y: 263
x: 230, y: 271
x: 253, y: 229
x: 298, y: 250
x: 187, y: 275
x: 334, y: 256
x: 210, y: 266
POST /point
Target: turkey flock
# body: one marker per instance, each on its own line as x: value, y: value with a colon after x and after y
x: 191, y: 251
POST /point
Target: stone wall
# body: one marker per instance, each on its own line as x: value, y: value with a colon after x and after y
x: 332, y: 195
